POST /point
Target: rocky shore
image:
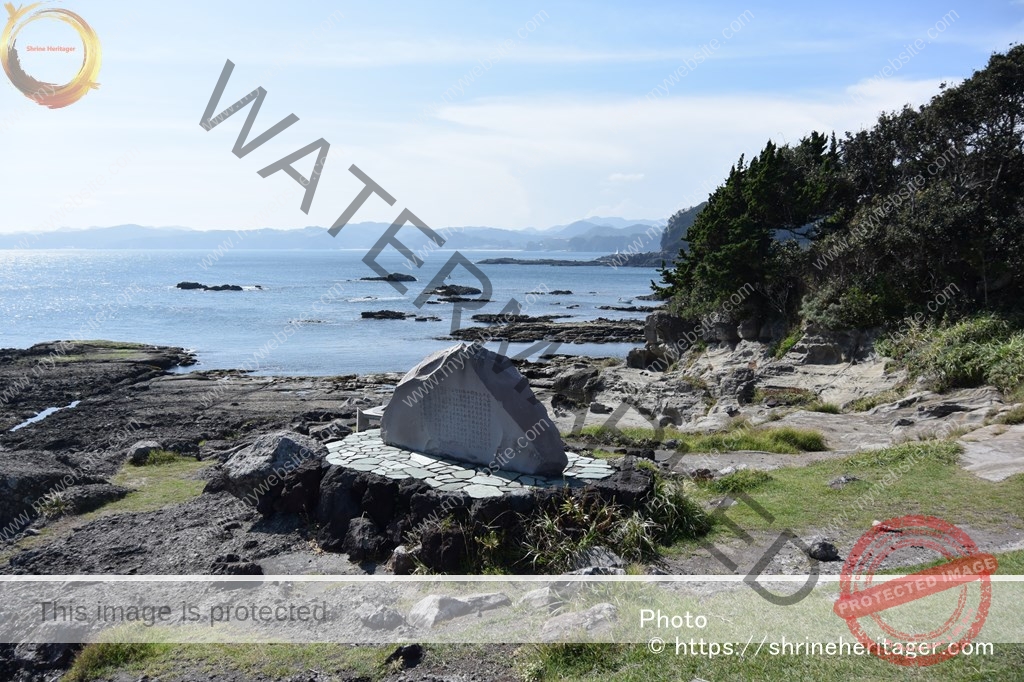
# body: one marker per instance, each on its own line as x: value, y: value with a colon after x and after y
x: 105, y: 514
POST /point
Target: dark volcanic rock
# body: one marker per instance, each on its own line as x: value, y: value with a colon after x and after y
x: 383, y: 315
x: 86, y: 498
x: 219, y: 287
x: 629, y: 486
x: 28, y: 479
x: 392, y: 277
x: 260, y: 473
x: 600, y: 330
x: 443, y: 549
x: 179, y: 539
x: 579, y: 385
x: 454, y: 290
x: 462, y: 299
x: 824, y: 551
x: 362, y: 540
x: 629, y: 308
x: 335, y: 430
x: 139, y: 452
x: 509, y: 318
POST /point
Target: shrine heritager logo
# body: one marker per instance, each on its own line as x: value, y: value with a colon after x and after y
x: 52, y: 95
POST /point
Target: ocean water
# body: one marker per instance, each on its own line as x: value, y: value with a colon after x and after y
x: 309, y: 304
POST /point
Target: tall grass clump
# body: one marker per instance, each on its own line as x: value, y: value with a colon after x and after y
x: 972, y: 352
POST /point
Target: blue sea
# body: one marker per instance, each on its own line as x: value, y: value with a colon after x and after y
x: 310, y: 299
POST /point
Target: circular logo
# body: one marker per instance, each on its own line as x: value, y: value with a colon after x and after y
x: 49, y: 95
x: 872, y: 610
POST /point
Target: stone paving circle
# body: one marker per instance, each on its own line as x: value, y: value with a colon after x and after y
x: 366, y: 451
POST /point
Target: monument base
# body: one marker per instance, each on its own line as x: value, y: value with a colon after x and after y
x: 366, y: 451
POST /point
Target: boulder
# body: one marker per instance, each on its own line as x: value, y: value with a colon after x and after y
x: 138, y: 454
x: 748, y: 330
x: 402, y: 561
x: 438, y: 608
x: 362, y: 540
x: 380, y: 617
x: 823, y: 551
x: 471, y: 404
x: 443, y: 550
x: 568, y: 626
x: 598, y: 570
x: 629, y: 486
x: 542, y: 598
x: 335, y: 430
x: 258, y: 473
x: 579, y: 385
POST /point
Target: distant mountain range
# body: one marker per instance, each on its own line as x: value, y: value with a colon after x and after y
x: 606, y: 235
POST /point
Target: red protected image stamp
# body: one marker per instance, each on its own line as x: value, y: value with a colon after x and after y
x: 868, y: 605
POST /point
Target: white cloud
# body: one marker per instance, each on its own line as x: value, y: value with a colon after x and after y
x: 517, y: 162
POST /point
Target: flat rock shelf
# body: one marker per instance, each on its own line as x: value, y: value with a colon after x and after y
x: 365, y: 451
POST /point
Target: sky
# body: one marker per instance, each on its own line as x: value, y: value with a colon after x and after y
x: 576, y: 109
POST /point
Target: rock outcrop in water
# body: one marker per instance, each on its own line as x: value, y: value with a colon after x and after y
x: 219, y: 287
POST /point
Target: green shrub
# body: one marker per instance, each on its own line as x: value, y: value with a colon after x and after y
x: 555, y: 538
x: 980, y: 350
x: 676, y: 513
x: 53, y: 506
x: 785, y: 345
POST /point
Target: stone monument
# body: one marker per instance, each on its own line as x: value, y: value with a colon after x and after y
x: 471, y: 404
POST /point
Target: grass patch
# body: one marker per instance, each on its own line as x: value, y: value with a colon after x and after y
x: 869, y: 402
x: 273, y: 661
x: 912, y: 478
x: 827, y: 408
x: 785, y: 397
x: 634, y: 663
x: 1014, y: 416
x: 740, y: 481
x: 1010, y: 563
x: 154, y: 487
x: 605, y: 363
x: 162, y: 457
x: 695, y: 382
x: 782, y: 440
